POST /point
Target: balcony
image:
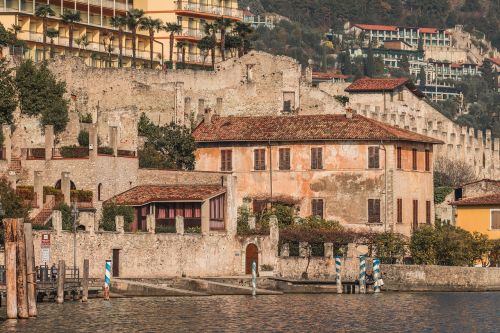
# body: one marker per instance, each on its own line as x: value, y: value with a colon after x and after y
x: 208, y: 11
x: 191, y: 34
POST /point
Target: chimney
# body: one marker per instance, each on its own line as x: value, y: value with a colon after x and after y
x: 208, y: 116
x: 348, y: 113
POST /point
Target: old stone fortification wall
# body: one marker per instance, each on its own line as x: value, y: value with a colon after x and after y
x: 440, y: 278
x: 144, y: 255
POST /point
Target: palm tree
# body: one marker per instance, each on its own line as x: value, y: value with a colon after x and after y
x: 70, y: 18
x: 174, y: 29
x: 44, y: 11
x: 107, y: 41
x: 52, y: 33
x: 211, y: 30
x: 15, y: 29
x: 182, y: 45
x: 82, y: 42
x: 134, y: 19
x: 205, y: 45
x: 151, y: 25
x: 242, y: 29
x: 222, y: 24
x: 119, y: 22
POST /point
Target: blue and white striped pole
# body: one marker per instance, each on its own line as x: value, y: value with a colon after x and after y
x: 338, y: 265
x: 376, y: 275
x: 362, y: 275
x: 107, y: 279
x: 254, y: 278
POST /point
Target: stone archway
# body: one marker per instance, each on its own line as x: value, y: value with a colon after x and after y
x: 251, y: 255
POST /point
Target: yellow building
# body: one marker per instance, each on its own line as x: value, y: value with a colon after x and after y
x: 192, y: 15
x: 102, y: 38
x: 481, y: 214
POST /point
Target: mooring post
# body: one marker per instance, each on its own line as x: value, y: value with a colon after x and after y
x: 376, y: 275
x: 22, y: 295
x: 61, y: 274
x: 107, y: 280
x: 362, y: 275
x: 254, y: 278
x: 30, y: 270
x: 10, y: 267
x: 338, y: 279
x: 85, y: 280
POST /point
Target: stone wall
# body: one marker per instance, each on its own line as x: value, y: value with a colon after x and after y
x: 439, y: 278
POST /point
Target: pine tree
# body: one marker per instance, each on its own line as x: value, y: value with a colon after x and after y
x: 346, y: 63
x: 8, y: 101
x: 370, y: 62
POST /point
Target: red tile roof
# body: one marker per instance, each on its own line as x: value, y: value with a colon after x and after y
x: 428, y: 30
x: 329, y: 76
x: 485, y: 200
x: 496, y: 61
x: 144, y: 194
x: 376, y: 27
x: 302, y: 128
x: 369, y: 84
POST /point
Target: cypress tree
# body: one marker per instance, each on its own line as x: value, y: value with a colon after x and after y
x: 422, y: 78
x: 489, y: 75
x: 404, y: 65
x: 370, y: 62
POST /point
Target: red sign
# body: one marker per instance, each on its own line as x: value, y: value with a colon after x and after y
x: 45, y: 240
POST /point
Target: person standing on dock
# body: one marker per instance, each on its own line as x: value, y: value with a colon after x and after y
x: 53, y: 272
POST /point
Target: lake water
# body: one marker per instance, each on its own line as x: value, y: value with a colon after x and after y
x: 386, y: 312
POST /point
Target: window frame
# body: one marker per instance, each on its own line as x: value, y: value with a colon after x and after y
x: 258, y: 167
x: 491, y: 218
x: 374, y: 200
x: 414, y: 159
x: 415, y: 213
x: 316, y: 201
x: 399, y: 162
x: 399, y: 211
x: 427, y: 160
x: 377, y: 150
x: 315, y: 165
x: 289, y: 166
x: 223, y: 160
x: 428, y: 209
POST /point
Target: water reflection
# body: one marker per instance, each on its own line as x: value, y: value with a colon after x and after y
x: 386, y: 312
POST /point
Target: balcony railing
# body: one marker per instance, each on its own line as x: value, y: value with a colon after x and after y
x: 192, y: 33
x: 34, y: 153
x: 214, y: 10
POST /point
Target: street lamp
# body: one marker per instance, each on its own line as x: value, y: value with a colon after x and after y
x: 74, y: 211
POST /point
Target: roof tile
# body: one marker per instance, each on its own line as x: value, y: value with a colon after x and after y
x: 485, y: 200
x: 369, y: 84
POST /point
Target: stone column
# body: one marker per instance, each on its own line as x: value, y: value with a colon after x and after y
x: 179, y: 225
x: 113, y: 139
x: 303, y: 246
x: 38, y: 188
x: 57, y: 221
x: 7, y: 143
x: 187, y: 108
x: 205, y: 217
x: 93, y: 141
x: 151, y: 223
x: 66, y: 187
x: 274, y: 234
x: 119, y: 224
x: 12, y: 179
x: 218, y: 106
x: 328, y: 250
x: 49, y: 141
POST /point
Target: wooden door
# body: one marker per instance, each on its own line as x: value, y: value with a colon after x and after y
x: 251, y: 255
x: 116, y: 262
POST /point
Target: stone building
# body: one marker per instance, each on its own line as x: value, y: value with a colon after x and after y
x: 361, y: 172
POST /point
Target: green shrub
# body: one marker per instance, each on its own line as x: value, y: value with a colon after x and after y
x: 266, y: 268
x: 193, y: 230
x: 26, y: 192
x: 67, y: 218
x: 83, y: 138
x: 440, y: 193
x: 81, y: 196
x: 73, y: 152
x: 105, y: 150
x: 57, y: 193
x: 110, y: 211
x: 86, y: 118
x: 389, y: 247
x: 165, y: 229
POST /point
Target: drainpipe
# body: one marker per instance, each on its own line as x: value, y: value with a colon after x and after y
x: 270, y: 172
x: 382, y: 147
x: 161, y: 50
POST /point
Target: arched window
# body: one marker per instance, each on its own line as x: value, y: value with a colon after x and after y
x: 99, y: 192
x: 71, y: 185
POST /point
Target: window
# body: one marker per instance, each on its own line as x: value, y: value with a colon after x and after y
x: 400, y: 95
x: 373, y: 157
x: 427, y: 160
x: 288, y: 101
x: 259, y: 159
x: 428, y: 212
x: 226, y: 160
x: 316, y: 158
x: 495, y: 219
x: 284, y: 158
x: 317, y: 207
x: 374, y: 211
x: 415, y: 214
x: 414, y: 158
x: 400, y: 211
x: 99, y: 192
x: 398, y: 157
x: 217, y: 213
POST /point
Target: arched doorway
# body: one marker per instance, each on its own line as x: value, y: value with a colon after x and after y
x: 71, y: 185
x: 251, y: 255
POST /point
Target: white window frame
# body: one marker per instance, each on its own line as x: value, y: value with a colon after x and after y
x: 491, y: 218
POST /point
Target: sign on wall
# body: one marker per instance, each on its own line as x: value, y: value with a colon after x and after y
x: 45, y: 249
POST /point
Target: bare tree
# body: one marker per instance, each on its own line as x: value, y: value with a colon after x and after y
x: 452, y: 173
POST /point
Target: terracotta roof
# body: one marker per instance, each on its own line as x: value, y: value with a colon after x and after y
x: 144, y: 194
x: 376, y: 27
x: 329, y: 76
x: 485, y: 180
x: 302, y: 128
x: 428, y: 30
x: 369, y: 84
x: 485, y: 200
x: 456, y: 65
x: 496, y: 61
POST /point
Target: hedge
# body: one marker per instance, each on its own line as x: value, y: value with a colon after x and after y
x: 81, y: 196
x: 57, y: 193
x: 73, y: 152
x: 26, y: 192
x: 105, y: 150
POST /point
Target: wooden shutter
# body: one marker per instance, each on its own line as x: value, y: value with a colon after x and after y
x: 415, y: 214
x: 226, y: 160
x: 316, y: 158
x: 373, y: 158
x: 400, y: 211
x: 495, y: 219
x: 373, y: 210
x: 428, y: 212
x: 317, y: 207
x: 398, y: 152
x: 427, y: 160
x: 284, y: 158
x: 260, y: 159
x: 414, y: 158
